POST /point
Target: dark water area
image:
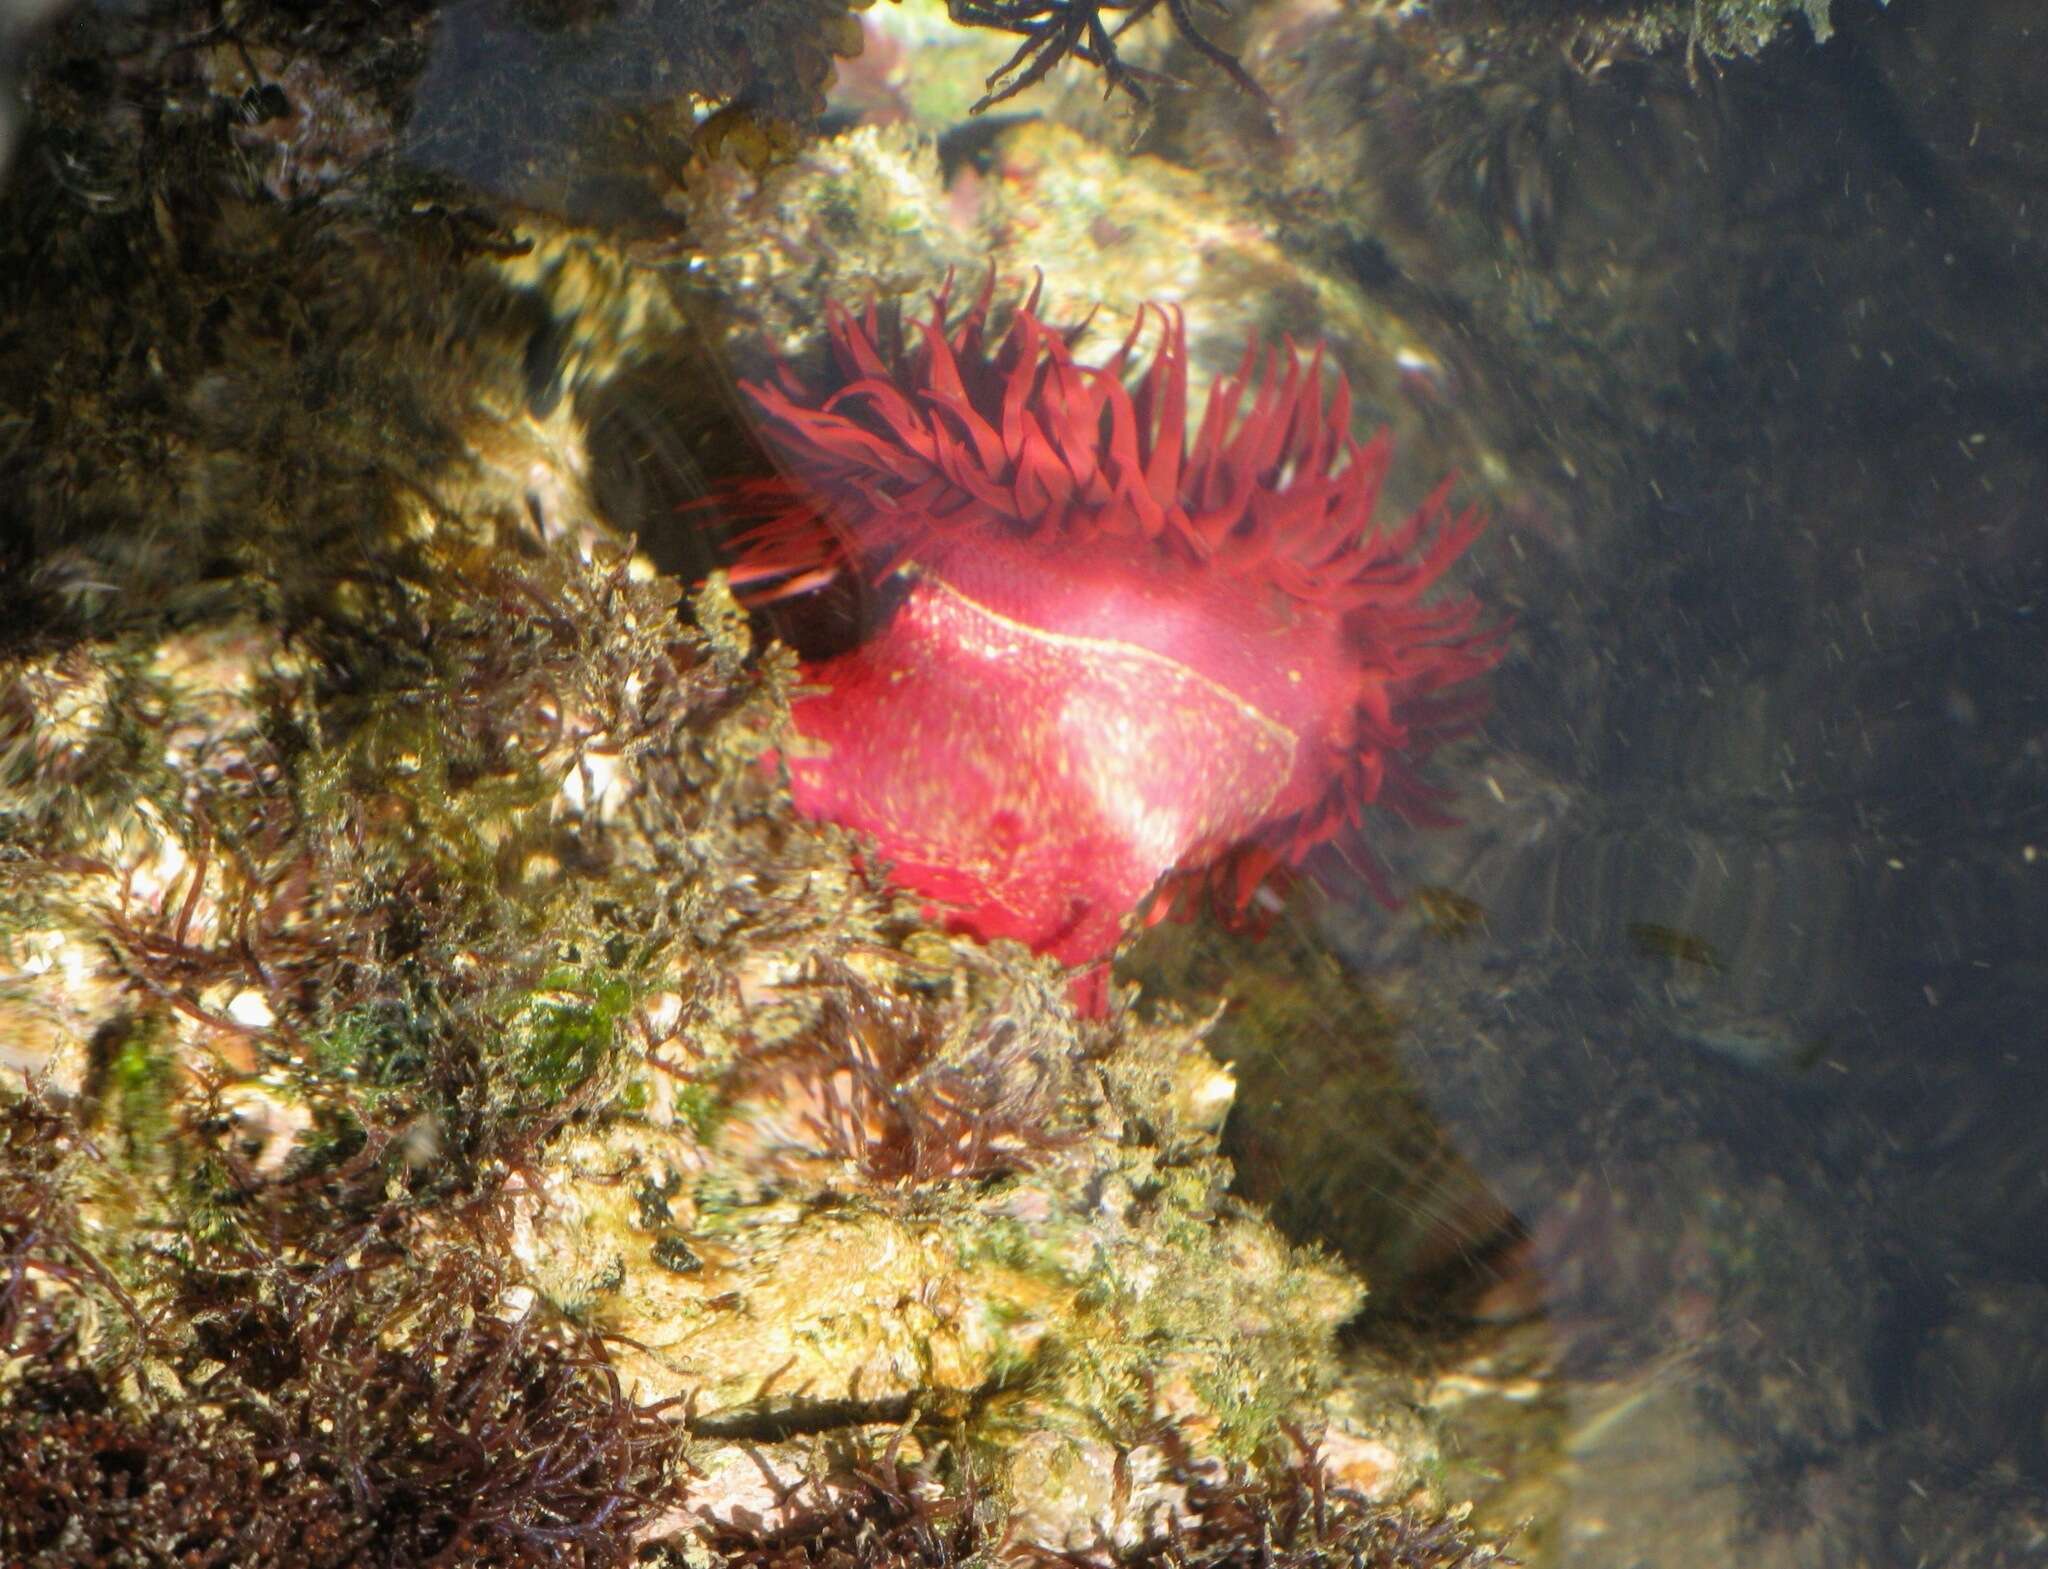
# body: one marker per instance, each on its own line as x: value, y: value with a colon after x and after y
x: 1688, y: 1118
x: 1732, y: 1066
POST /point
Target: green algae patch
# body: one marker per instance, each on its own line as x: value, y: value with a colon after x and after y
x: 565, y: 1033
x: 140, y: 1095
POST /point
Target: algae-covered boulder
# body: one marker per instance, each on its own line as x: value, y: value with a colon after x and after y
x: 456, y: 1111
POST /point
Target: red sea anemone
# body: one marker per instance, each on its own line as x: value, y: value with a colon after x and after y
x: 1113, y: 665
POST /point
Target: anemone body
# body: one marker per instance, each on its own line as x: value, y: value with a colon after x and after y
x: 1119, y: 662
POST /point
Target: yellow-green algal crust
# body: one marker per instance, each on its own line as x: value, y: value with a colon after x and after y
x: 863, y: 214
x: 1009, y: 1227
x: 311, y: 923
x: 140, y: 788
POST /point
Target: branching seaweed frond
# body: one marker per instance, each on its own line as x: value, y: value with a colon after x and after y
x: 1053, y: 30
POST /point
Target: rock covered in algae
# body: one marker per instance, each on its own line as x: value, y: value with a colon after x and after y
x: 450, y: 1067
x: 582, y: 107
x: 983, y: 1220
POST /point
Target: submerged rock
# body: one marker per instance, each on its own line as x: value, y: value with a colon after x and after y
x: 412, y: 973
